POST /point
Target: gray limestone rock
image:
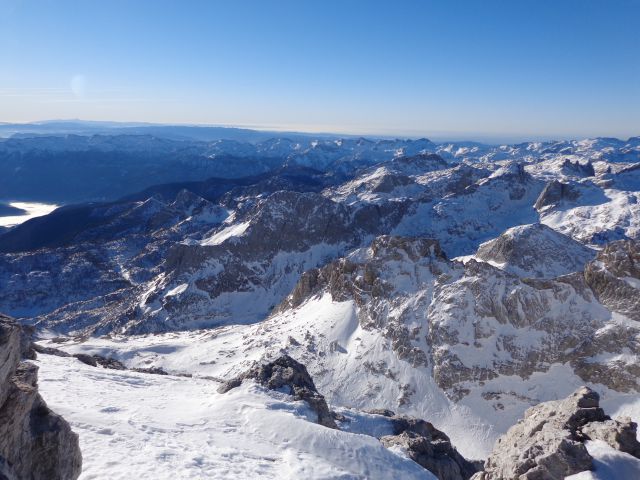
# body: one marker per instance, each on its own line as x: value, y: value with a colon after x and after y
x: 430, y: 448
x: 548, y: 443
x: 614, y: 277
x: 555, y: 192
x: 536, y: 251
x: 35, y: 443
x: 620, y: 434
x: 287, y: 375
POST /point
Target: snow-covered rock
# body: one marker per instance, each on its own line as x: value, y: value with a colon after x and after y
x: 298, y: 260
x: 466, y: 346
x: 535, y: 251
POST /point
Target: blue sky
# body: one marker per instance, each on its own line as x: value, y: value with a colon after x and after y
x: 459, y: 69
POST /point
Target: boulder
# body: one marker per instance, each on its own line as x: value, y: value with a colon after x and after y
x: 430, y: 448
x: 287, y: 375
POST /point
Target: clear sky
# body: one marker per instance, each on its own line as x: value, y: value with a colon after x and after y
x: 484, y: 68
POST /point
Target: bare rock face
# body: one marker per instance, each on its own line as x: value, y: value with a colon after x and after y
x: 418, y: 164
x: 577, y: 168
x: 288, y: 375
x: 615, y: 277
x: 35, y: 443
x: 429, y: 447
x: 441, y: 314
x: 548, y: 443
x: 554, y: 193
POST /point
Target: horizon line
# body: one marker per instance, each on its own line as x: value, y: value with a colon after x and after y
x: 442, y: 136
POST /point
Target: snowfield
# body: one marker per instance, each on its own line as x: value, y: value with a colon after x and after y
x: 344, y: 375
x: 135, y: 425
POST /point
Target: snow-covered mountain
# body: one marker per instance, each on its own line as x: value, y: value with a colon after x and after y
x: 460, y: 284
x: 107, y: 163
x: 399, y: 326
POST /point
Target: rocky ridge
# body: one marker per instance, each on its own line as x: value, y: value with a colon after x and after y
x: 535, y: 251
x: 530, y: 324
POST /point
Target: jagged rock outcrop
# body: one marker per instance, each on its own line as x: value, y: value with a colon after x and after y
x: 421, y: 441
x: 554, y: 192
x: 442, y: 314
x: 577, y: 168
x: 429, y: 447
x: 35, y: 443
x: 548, y: 443
x: 97, y: 360
x: 288, y: 375
x: 418, y: 164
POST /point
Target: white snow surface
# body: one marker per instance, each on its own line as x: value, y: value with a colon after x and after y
x: 343, y: 373
x: 135, y: 425
x: 231, y: 231
x: 609, y: 464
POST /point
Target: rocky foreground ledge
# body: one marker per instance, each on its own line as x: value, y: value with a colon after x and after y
x: 548, y: 443
x: 35, y: 443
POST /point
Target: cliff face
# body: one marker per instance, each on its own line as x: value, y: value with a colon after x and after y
x: 35, y: 443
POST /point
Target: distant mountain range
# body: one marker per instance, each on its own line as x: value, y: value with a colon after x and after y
x: 69, y: 162
x: 461, y: 283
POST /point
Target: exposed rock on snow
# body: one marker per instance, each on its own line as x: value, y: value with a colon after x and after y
x: 95, y: 360
x: 535, y: 251
x: 441, y: 315
x: 620, y: 434
x: 391, y: 324
x: 429, y: 447
x: 548, y: 444
x: 35, y: 443
x: 555, y: 192
x: 288, y: 376
x: 183, y: 428
x: 169, y: 259
x: 418, y: 439
x: 577, y: 168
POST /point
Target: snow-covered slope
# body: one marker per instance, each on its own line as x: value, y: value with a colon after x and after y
x: 398, y: 326
x: 609, y: 464
x: 535, y: 251
x: 135, y: 425
x: 254, y: 241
